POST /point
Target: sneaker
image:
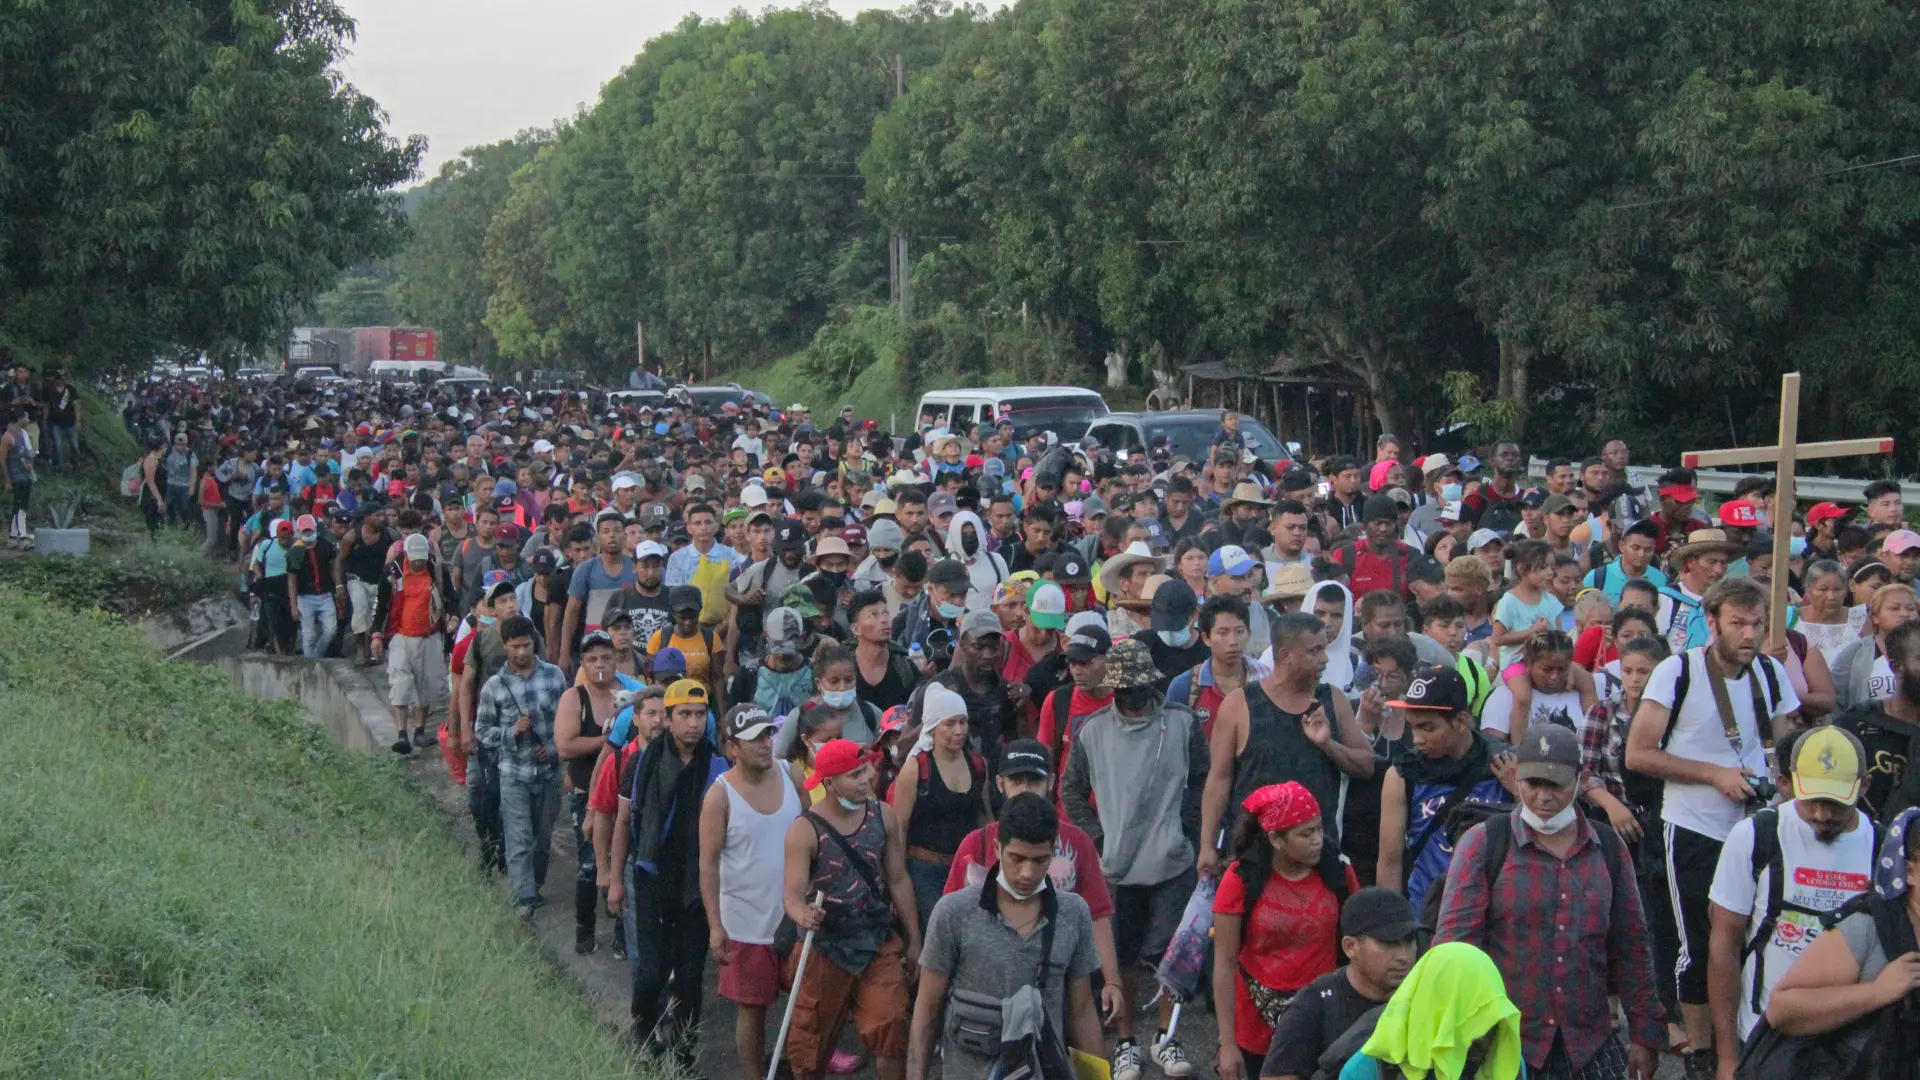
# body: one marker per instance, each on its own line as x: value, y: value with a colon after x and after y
x: 844, y: 1064
x: 401, y: 746
x: 1699, y: 1064
x: 1172, y: 1059
x: 1126, y: 1061
x: 619, y: 945
x: 421, y: 738
x: 525, y: 911
x: 585, y: 946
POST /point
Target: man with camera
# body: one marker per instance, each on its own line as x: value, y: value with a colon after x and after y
x: 1698, y: 730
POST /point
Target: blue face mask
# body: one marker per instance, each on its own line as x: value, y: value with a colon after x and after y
x: 1176, y: 638
x: 659, y: 429
x: 1451, y: 492
x: 837, y: 699
x: 487, y: 620
x: 1797, y: 546
x: 949, y: 611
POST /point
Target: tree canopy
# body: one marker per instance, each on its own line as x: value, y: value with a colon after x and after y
x: 182, y: 173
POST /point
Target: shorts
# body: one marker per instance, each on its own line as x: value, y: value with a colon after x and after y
x: 1691, y: 860
x: 751, y: 975
x: 1145, y: 917
x: 416, y: 673
x: 361, y: 599
x: 877, y: 998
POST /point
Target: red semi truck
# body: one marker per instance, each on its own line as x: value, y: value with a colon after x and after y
x: 372, y: 343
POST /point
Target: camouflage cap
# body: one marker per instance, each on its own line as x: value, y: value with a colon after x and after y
x: 800, y: 599
x: 1129, y: 664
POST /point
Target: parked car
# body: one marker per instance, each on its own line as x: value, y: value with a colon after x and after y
x: 1191, y: 432
x: 638, y: 399
x: 462, y: 386
x: 1064, y: 410
x: 707, y: 400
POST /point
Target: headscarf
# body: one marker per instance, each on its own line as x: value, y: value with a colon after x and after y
x: 1339, y: 671
x: 1279, y: 807
x: 1451, y: 998
x: 936, y: 708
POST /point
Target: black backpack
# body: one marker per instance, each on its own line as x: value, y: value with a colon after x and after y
x: 1846, y: 1053
x: 1767, y: 856
x: 1648, y: 793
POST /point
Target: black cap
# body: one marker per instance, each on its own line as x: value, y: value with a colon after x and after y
x: 1437, y: 688
x: 1070, y: 569
x: 1296, y: 479
x: 1534, y: 500
x: 1173, y: 605
x: 789, y: 535
x: 1088, y: 642
x: 1379, y: 913
x: 684, y: 598
x: 1380, y: 508
x: 1026, y: 757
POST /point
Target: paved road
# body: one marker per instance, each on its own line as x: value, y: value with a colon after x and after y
x: 604, y: 980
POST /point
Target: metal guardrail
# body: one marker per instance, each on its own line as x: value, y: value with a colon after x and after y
x: 1805, y: 488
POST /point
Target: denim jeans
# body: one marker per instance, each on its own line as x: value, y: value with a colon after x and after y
x: 318, y: 621
x: 65, y: 443
x: 527, y: 813
x: 483, y: 802
x: 586, y: 888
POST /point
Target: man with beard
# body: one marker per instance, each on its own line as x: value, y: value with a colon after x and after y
x: 756, y: 590
x: 1704, y: 742
x: 1779, y: 871
x: 1379, y: 561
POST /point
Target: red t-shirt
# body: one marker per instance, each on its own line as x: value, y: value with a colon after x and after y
x: 1291, y: 938
x: 458, y: 662
x: 1075, y: 869
x: 605, y: 796
x: 1372, y: 572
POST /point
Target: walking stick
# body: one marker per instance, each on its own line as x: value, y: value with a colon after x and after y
x: 793, y: 995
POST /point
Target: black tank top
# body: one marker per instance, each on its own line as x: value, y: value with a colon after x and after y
x: 580, y: 769
x: 368, y: 558
x: 1278, y: 750
x: 942, y: 817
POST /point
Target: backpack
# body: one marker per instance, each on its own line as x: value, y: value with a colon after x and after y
x: 1645, y: 791
x: 1348, y: 556
x: 1767, y: 856
x: 1334, y: 1058
x: 1846, y: 1053
x: 1499, y: 822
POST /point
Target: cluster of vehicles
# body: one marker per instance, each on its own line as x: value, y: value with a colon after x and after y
x: 1069, y: 412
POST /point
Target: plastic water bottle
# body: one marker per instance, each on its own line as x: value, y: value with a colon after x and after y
x: 916, y: 653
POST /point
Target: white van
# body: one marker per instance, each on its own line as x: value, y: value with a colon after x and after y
x: 406, y: 369
x: 1067, y: 411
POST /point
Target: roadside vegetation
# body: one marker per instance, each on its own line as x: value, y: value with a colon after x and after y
x: 199, y: 884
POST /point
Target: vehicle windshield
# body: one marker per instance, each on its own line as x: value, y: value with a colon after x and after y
x: 1193, y: 436
x: 1067, y: 417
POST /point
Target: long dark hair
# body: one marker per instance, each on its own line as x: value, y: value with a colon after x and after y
x: 1253, y: 861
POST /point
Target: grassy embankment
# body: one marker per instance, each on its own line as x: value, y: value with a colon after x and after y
x: 196, y: 884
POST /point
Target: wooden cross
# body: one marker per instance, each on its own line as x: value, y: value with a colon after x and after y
x: 1783, y: 456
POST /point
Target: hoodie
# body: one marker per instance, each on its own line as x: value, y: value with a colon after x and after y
x: 1134, y: 785
x: 984, y: 568
x: 1339, y: 671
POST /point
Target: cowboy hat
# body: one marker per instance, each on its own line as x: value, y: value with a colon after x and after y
x: 1700, y: 542
x: 1290, y: 582
x: 1246, y: 491
x: 1136, y: 553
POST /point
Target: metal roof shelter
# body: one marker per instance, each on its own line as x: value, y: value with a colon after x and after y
x: 1324, y: 409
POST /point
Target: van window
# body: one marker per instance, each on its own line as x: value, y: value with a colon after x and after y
x: 962, y: 416
x: 934, y: 412
x: 1067, y: 416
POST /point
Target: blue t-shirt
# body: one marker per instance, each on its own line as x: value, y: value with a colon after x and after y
x: 1515, y: 614
x: 595, y: 587
x: 1612, y: 580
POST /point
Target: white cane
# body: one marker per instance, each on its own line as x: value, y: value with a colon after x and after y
x: 793, y: 995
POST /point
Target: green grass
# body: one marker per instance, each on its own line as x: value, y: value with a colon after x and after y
x: 142, y: 578
x: 196, y: 884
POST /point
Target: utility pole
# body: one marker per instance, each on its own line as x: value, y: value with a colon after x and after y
x: 640, y: 333
x: 897, y: 251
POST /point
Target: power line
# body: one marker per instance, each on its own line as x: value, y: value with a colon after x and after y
x: 1886, y: 164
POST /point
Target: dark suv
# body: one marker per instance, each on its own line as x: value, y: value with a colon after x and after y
x: 1191, y: 431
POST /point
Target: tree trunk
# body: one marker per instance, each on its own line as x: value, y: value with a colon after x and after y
x: 1375, y: 366
x: 1515, y: 358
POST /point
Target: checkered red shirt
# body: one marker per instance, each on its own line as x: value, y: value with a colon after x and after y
x: 1563, y: 936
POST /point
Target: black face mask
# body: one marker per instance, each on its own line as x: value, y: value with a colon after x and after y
x: 969, y: 543
x: 1135, y: 699
x: 836, y: 578
x: 886, y: 561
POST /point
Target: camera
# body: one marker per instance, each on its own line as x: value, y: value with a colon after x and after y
x: 1764, y: 791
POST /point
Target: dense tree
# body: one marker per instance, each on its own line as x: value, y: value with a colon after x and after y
x: 182, y: 172
x: 442, y: 273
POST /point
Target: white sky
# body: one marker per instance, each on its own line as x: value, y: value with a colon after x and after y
x: 468, y: 72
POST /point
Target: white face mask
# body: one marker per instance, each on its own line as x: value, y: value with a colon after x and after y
x: 1015, y: 893
x: 837, y: 699
x: 1555, y: 824
x: 849, y: 804
x: 1176, y: 638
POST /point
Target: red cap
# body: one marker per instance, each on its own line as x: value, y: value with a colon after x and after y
x: 837, y: 758
x: 306, y: 524
x: 283, y: 527
x: 974, y: 461
x: 396, y: 487
x: 1820, y: 512
x: 1681, y: 493
x: 854, y: 534
x: 363, y: 429
x: 1739, y: 513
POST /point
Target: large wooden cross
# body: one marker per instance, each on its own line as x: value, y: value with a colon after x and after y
x: 1783, y: 456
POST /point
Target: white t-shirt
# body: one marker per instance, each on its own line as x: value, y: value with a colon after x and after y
x: 1820, y: 877
x: 1497, y: 715
x: 1882, y: 685
x: 1698, y: 735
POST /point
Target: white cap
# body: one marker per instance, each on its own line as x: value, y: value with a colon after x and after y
x: 624, y: 481
x: 1434, y: 463
x: 1451, y: 512
x: 542, y: 446
x: 753, y: 496
x: 1481, y: 538
x: 649, y: 549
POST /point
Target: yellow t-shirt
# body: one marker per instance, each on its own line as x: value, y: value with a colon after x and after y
x: 699, y: 659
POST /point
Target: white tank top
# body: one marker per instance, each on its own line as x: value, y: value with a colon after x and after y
x: 753, y: 864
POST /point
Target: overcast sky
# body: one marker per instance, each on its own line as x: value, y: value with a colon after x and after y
x: 468, y: 72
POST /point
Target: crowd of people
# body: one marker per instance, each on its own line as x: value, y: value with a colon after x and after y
x: 957, y: 734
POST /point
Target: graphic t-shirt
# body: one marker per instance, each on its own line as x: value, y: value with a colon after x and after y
x: 595, y: 586
x: 1427, y: 808
x: 1819, y: 877
x: 1561, y: 708
x: 649, y: 613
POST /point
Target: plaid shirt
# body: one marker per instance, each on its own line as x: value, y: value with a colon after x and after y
x: 1603, y: 747
x: 1563, y: 936
x: 502, y: 701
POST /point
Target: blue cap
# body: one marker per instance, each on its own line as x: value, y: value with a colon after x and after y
x: 495, y: 577
x: 669, y: 659
x: 993, y: 466
x: 504, y: 488
x: 1468, y: 463
x: 1231, y: 559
